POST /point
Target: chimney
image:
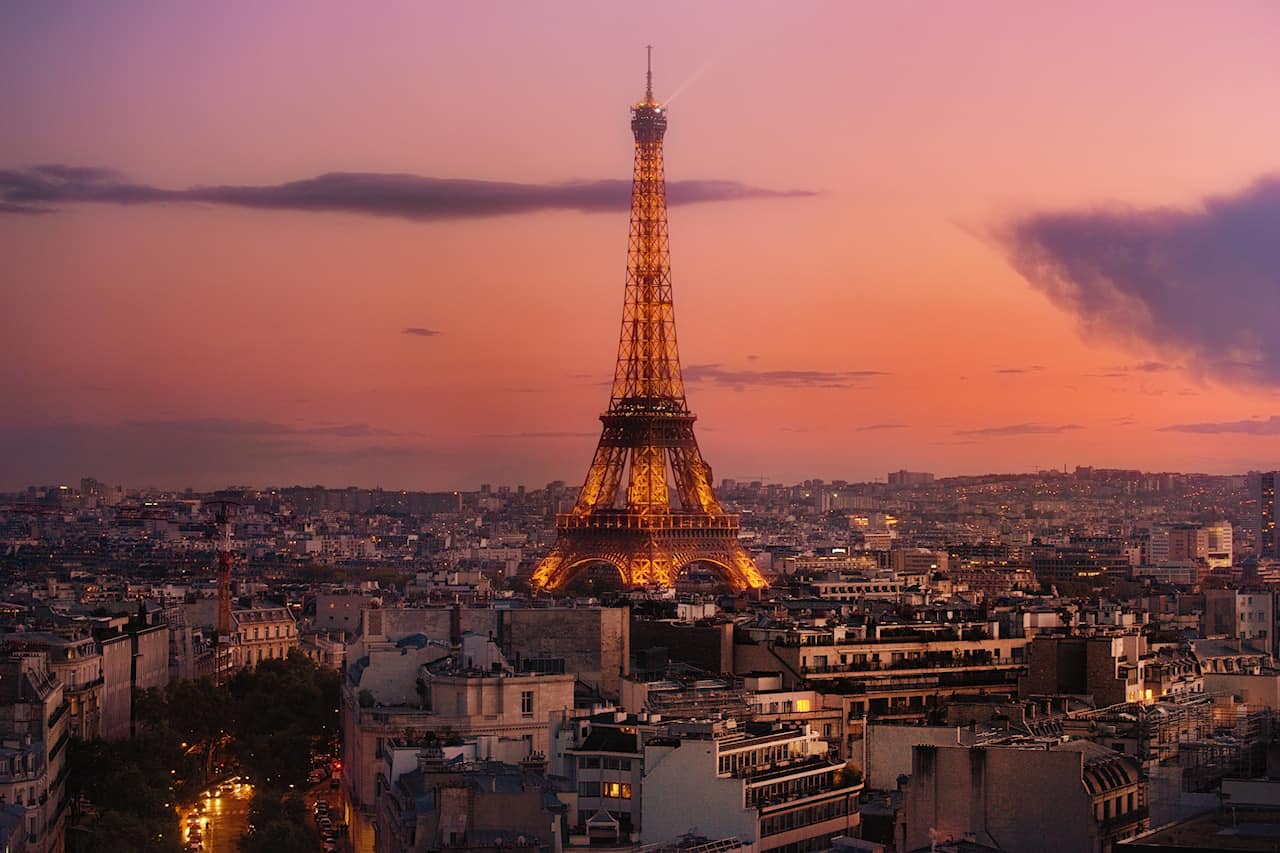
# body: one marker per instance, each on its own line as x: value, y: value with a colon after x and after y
x: 455, y: 633
x: 431, y: 759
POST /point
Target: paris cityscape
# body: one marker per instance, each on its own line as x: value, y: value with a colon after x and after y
x: 338, y: 513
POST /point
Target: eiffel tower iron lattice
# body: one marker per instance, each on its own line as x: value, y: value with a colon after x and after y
x: 667, y: 517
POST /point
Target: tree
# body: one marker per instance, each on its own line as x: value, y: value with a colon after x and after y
x: 279, y: 836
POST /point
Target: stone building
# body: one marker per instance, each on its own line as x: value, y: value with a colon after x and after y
x: 1109, y: 669
x: 767, y: 785
x: 1008, y: 797
x: 263, y: 633
x: 33, y: 731
x: 483, y: 807
x: 415, y: 688
x: 593, y: 642
x: 76, y: 663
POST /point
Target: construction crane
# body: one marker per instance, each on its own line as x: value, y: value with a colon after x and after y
x: 223, y: 511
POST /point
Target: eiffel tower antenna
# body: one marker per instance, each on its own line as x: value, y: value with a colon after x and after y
x: 647, y: 506
x: 648, y: 74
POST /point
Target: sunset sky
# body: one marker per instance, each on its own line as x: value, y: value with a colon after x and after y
x: 956, y: 238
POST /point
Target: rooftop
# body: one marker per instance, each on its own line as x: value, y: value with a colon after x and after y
x: 1219, y: 830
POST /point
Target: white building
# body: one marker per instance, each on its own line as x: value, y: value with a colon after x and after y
x: 763, y: 784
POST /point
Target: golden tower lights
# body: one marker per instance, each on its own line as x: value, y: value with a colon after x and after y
x: 667, y: 516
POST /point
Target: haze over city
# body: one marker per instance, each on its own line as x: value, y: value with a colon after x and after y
x: 258, y: 244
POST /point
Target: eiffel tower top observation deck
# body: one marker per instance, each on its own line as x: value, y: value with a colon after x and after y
x: 667, y: 516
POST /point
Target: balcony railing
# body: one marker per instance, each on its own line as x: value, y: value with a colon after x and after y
x: 80, y: 688
x: 912, y: 665
x: 636, y: 521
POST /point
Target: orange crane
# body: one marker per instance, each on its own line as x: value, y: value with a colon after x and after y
x: 223, y: 511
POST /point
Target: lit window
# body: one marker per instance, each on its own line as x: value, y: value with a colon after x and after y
x: 802, y: 705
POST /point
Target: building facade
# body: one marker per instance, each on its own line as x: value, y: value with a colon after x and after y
x: 767, y: 785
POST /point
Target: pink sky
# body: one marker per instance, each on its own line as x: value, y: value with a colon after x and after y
x: 201, y: 344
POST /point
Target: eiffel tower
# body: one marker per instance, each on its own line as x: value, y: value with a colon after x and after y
x: 668, y: 516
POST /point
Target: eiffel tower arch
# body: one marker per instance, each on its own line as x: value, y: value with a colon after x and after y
x: 647, y: 506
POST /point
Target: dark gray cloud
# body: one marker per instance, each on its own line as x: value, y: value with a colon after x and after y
x: 1200, y: 284
x: 209, y: 451
x: 523, y: 435
x: 741, y: 379
x: 1255, y: 426
x: 421, y: 332
x: 231, y: 427
x: 41, y: 189
x: 1019, y: 429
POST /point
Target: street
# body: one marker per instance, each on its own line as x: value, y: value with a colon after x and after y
x: 222, y: 817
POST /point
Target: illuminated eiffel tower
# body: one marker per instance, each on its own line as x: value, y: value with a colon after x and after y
x: 668, y: 516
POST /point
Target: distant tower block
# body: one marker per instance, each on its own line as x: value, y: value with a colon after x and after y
x: 667, y: 516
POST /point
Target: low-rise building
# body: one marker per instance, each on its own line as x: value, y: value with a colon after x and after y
x: 263, y: 633
x: 767, y: 785
x: 484, y: 807
x: 414, y: 688
x: 1076, y: 797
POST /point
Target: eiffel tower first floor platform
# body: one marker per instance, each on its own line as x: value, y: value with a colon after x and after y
x: 647, y: 550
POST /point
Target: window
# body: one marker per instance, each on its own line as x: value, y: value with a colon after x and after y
x: 614, y: 790
x: 588, y: 789
x: 589, y: 762
x: 626, y: 791
x: 611, y: 764
x: 526, y: 703
x: 803, y: 705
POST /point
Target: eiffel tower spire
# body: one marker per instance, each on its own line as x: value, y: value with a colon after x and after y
x: 667, y: 516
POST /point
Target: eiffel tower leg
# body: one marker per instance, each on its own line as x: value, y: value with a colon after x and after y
x: 736, y: 567
x: 547, y: 574
x: 567, y: 557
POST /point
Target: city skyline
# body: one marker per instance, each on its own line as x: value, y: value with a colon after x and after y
x: 222, y: 282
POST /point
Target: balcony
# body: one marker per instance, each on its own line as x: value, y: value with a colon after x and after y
x: 1124, y: 822
x: 921, y: 665
x: 604, y: 520
x: 77, y: 689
